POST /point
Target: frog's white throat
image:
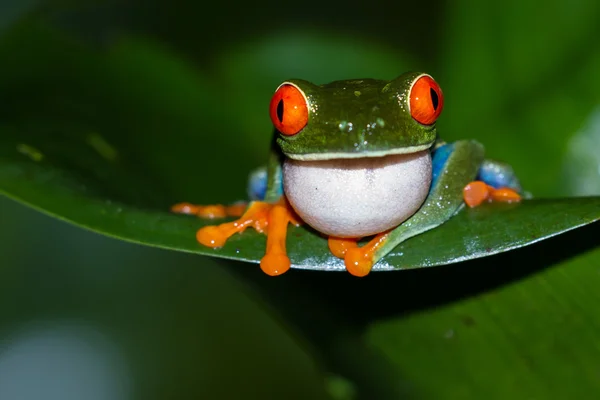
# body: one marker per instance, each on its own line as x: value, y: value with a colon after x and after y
x: 358, y: 197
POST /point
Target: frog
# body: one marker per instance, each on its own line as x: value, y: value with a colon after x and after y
x: 361, y: 163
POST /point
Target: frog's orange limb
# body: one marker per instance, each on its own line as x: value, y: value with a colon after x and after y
x: 268, y: 218
x: 275, y: 261
x: 210, y: 211
x: 216, y: 235
x: 477, y: 192
x: 359, y: 260
x: 340, y: 246
x: 505, y: 194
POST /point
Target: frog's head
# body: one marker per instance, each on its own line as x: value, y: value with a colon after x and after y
x: 356, y: 118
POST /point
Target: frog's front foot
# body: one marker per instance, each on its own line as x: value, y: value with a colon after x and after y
x: 477, y: 192
x: 358, y: 260
x: 269, y: 218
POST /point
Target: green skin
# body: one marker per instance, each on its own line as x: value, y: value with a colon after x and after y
x: 361, y: 109
x: 376, y: 110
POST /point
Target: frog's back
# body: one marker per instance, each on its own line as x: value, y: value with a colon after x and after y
x: 357, y: 84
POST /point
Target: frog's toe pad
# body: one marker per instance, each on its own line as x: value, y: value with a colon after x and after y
x: 275, y: 264
x: 184, y: 208
x: 476, y: 193
x: 211, y: 236
x: 358, y: 261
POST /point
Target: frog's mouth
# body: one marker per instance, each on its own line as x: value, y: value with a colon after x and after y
x: 358, y: 154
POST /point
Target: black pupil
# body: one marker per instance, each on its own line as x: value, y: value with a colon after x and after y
x: 280, y: 111
x: 434, y: 98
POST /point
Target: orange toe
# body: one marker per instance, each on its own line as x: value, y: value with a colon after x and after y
x: 340, y: 246
x: 476, y: 193
x: 216, y: 235
x: 210, y: 211
x: 184, y: 208
x: 275, y: 264
x: 358, y: 262
x: 212, y: 236
x: 275, y: 261
x: 505, y: 195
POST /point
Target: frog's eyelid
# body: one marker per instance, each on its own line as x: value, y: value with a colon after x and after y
x: 410, y: 88
x: 299, y: 89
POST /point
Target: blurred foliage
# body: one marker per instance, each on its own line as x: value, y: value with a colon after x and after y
x: 518, y: 76
x: 182, y: 326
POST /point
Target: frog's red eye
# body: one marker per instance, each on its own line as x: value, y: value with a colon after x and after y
x: 288, y: 110
x: 426, y: 100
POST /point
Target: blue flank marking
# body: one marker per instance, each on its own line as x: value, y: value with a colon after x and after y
x: 498, y: 175
x: 438, y: 162
x: 281, y: 185
x: 257, y: 184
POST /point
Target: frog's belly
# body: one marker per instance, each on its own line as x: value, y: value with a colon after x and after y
x: 358, y: 197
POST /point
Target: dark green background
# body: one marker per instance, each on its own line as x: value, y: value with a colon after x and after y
x: 520, y: 76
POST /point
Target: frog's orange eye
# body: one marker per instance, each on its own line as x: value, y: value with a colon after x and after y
x: 288, y: 110
x: 426, y: 100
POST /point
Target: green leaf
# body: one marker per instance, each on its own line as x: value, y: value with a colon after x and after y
x: 473, y: 233
x: 119, y: 178
x: 524, y: 327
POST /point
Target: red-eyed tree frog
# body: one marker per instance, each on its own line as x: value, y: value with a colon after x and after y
x: 356, y: 159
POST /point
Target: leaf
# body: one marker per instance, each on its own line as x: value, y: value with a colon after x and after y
x: 524, y: 327
x: 119, y: 179
x: 473, y: 233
